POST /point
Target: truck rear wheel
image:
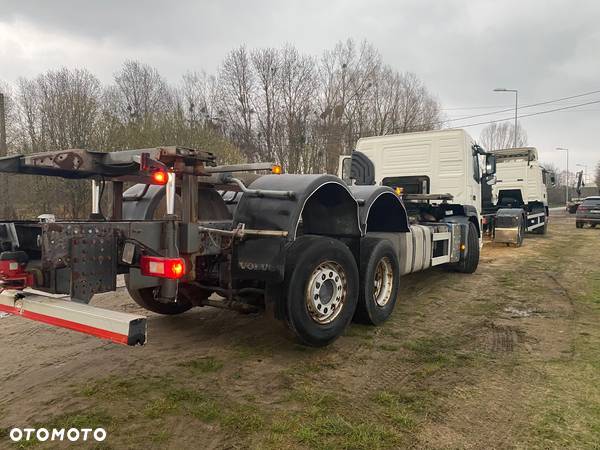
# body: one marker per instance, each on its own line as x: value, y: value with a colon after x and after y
x: 379, y: 281
x: 321, y: 287
x: 146, y: 298
x: 470, y: 260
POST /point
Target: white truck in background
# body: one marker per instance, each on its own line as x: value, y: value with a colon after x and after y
x: 520, y: 188
x: 450, y: 162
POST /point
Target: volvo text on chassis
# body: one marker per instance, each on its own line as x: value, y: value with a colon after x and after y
x: 309, y: 249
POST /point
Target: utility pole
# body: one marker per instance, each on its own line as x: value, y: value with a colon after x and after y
x: 4, y: 208
x: 566, y: 150
x: 585, y: 175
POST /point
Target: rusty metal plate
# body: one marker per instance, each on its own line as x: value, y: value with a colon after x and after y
x: 88, y: 249
x: 93, y: 261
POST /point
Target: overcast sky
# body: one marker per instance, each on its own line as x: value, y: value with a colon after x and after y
x: 547, y: 49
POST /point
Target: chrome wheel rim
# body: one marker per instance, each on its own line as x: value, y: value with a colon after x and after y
x: 383, y: 282
x: 326, y: 292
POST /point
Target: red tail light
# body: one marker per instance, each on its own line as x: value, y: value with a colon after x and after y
x: 156, y: 266
x: 160, y: 177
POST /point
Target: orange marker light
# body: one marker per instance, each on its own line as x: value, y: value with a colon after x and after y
x: 160, y: 177
x: 277, y: 169
x: 462, y: 247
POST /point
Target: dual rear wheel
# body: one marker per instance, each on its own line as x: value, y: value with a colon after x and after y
x: 324, y: 289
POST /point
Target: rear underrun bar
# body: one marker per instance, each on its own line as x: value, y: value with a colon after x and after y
x: 118, y: 327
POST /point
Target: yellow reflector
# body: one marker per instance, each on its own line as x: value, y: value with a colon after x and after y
x: 462, y: 247
x: 277, y: 169
x: 399, y: 190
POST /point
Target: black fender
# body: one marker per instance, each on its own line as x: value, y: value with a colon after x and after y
x: 381, y: 210
x: 320, y: 205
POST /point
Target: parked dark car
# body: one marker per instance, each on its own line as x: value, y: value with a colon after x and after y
x: 588, y: 212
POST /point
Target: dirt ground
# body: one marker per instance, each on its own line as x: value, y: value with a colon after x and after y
x: 506, y: 357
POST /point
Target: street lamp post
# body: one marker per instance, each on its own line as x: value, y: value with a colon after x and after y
x: 567, y: 187
x: 516, y: 108
x: 585, y: 177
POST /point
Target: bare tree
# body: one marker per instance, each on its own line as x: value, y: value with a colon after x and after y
x: 11, y: 114
x: 141, y: 92
x: 501, y: 135
x: 266, y: 104
x: 236, y: 84
x: 59, y: 110
x: 6, y: 133
x: 304, y: 113
x: 196, y: 96
x: 298, y: 84
x: 266, y: 64
x: 597, y: 177
x: 346, y: 74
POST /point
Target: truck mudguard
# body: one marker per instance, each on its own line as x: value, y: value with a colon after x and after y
x: 380, y: 209
x: 319, y: 204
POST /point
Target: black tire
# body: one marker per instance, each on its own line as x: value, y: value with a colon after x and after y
x: 579, y: 224
x: 315, y: 322
x: 542, y: 230
x: 379, y: 281
x: 146, y: 299
x: 470, y: 259
x: 592, y: 225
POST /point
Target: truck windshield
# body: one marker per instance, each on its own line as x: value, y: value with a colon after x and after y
x: 410, y: 185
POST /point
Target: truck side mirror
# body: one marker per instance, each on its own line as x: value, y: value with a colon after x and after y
x: 553, y: 179
x: 490, y: 164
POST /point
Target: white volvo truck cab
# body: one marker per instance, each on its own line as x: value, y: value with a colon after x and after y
x: 438, y: 175
x: 431, y: 162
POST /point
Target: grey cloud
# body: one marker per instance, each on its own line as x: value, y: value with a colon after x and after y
x: 462, y: 49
